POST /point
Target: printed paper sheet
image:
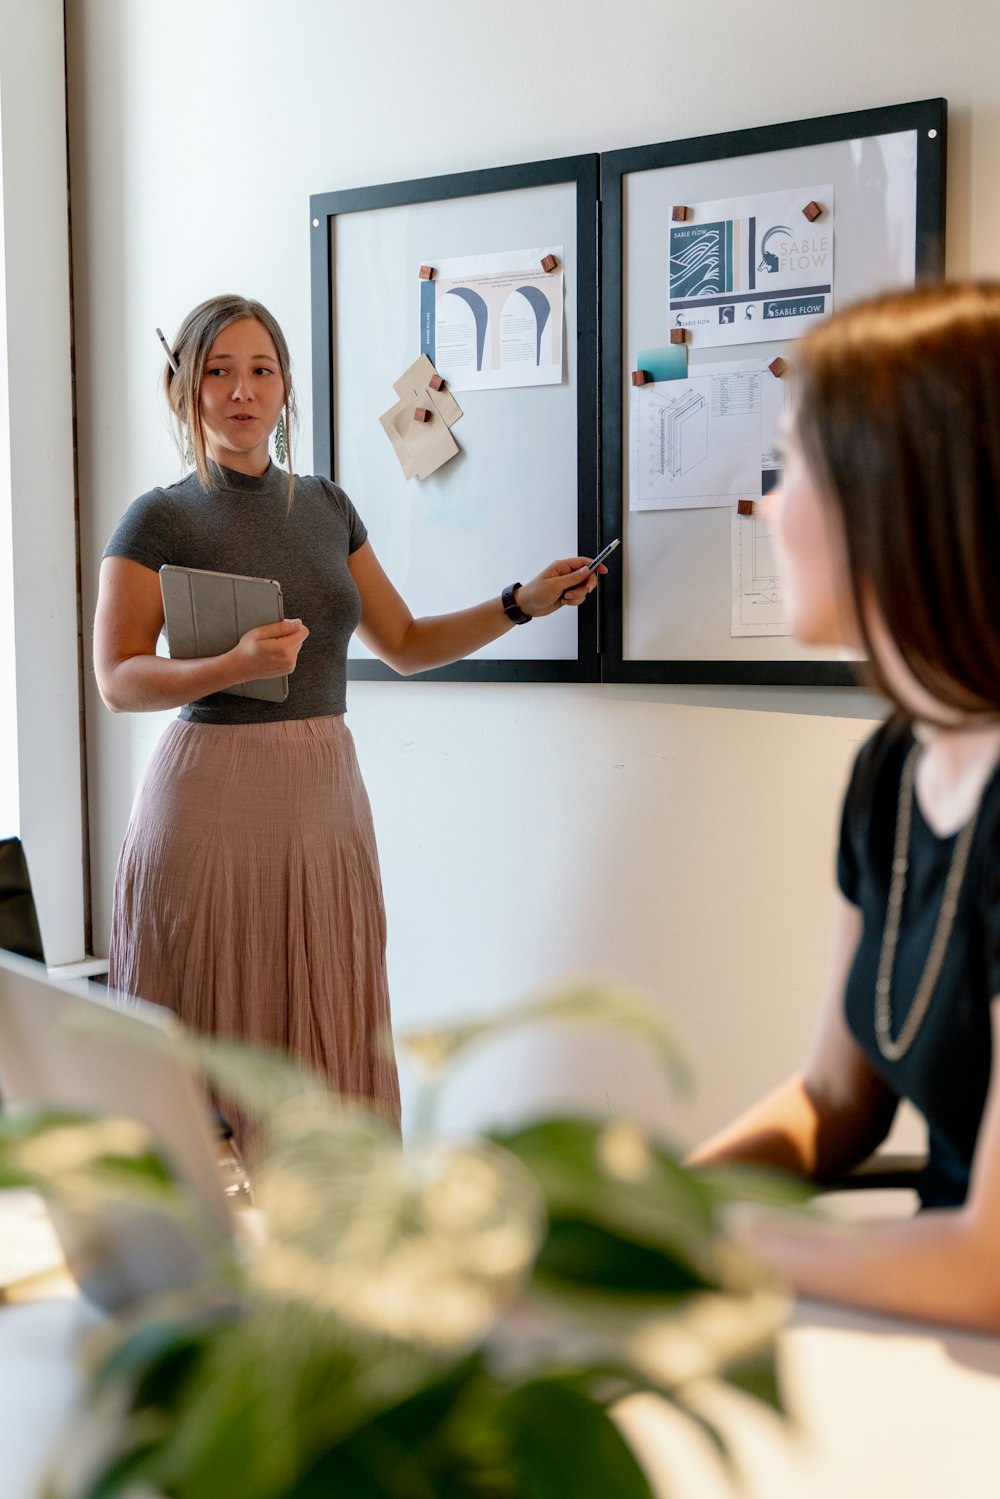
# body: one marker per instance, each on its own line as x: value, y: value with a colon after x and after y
x: 703, y: 442
x: 490, y: 322
x: 758, y: 601
x: 747, y: 269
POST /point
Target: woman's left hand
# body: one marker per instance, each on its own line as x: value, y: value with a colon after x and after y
x: 565, y: 582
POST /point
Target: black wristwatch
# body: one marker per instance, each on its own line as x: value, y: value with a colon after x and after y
x: 511, y: 608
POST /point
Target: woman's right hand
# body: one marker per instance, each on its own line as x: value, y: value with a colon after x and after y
x: 268, y: 650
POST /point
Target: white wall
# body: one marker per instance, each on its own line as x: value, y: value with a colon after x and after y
x: 10, y: 811
x: 37, y: 467
x: 679, y: 838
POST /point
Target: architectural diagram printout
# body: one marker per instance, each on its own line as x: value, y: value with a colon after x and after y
x: 747, y: 269
x: 703, y: 442
x: 489, y: 322
x: 758, y: 605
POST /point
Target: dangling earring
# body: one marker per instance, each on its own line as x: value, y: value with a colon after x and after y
x: 188, y: 448
x: 281, y: 439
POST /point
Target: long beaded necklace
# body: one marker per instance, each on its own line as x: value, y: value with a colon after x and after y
x: 891, y: 1049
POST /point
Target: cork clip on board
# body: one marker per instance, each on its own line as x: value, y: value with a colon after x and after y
x: 736, y: 243
x: 472, y: 482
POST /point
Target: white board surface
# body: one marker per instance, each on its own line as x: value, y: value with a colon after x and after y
x: 507, y: 504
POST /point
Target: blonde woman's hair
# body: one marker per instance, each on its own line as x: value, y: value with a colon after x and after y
x: 191, y: 348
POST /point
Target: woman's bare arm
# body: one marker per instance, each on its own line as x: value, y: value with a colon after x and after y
x: 409, y: 645
x: 940, y: 1266
x: 832, y: 1114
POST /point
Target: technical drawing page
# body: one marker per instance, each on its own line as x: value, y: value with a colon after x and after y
x: 775, y: 401
x: 699, y: 443
x: 758, y: 602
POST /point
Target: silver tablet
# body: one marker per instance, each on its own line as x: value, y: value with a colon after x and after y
x: 205, y: 613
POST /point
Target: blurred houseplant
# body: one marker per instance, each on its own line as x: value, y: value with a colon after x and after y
x: 444, y: 1320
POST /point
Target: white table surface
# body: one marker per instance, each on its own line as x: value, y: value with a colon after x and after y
x: 882, y: 1410
x: 39, y: 1386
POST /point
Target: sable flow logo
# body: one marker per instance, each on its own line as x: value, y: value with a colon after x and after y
x: 782, y: 254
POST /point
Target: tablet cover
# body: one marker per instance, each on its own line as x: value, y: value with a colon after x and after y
x: 205, y: 613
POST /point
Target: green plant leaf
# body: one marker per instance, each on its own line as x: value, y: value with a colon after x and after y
x: 135, y: 1357
x: 617, y: 1006
x: 702, y: 1336
x: 92, y: 1163
x: 705, y: 1425
x: 615, y: 1177
x: 10, y: 1176
x: 444, y: 1321
x: 120, y: 1475
x: 260, y: 1081
x: 39, y: 1147
x: 757, y: 1184
x: 593, y: 1257
x: 561, y: 1443
x: 25, y: 1124
x: 231, y: 1433
x: 340, y: 1474
x: 397, y: 1452
x: 758, y: 1376
x: 422, y: 1245
x: 276, y: 1390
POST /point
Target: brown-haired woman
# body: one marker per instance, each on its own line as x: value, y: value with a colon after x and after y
x: 888, y: 522
x: 248, y: 896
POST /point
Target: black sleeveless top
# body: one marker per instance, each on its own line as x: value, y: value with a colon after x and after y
x: 946, y: 1071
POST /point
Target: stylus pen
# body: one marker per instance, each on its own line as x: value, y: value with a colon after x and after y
x: 166, y: 349
x: 593, y: 566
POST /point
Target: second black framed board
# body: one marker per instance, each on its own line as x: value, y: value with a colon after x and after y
x: 613, y: 334
x: 738, y: 243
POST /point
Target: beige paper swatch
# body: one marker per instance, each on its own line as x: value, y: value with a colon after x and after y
x: 421, y: 447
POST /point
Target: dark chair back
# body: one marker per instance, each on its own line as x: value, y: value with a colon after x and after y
x: 18, y: 919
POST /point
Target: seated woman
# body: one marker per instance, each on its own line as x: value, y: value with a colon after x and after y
x: 888, y: 522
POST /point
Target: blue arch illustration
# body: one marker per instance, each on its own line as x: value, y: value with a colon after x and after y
x: 541, y: 308
x: 481, y: 314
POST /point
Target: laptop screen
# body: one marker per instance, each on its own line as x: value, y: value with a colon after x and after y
x: 53, y: 1054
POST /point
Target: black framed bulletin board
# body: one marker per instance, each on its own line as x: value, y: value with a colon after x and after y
x: 772, y: 228
x: 450, y: 270
x: 612, y: 331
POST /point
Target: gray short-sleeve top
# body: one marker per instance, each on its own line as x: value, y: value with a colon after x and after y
x: 244, y: 525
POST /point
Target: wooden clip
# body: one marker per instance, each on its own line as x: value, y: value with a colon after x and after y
x: 421, y: 414
x: 641, y: 377
x: 744, y: 507
x: 435, y: 382
x: 678, y: 335
x: 427, y: 273
x: 549, y: 262
x: 679, y: 213
x: 778, y: 366
x: 812, y: 211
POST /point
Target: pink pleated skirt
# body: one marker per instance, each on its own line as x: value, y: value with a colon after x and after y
x: 248, y: 898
